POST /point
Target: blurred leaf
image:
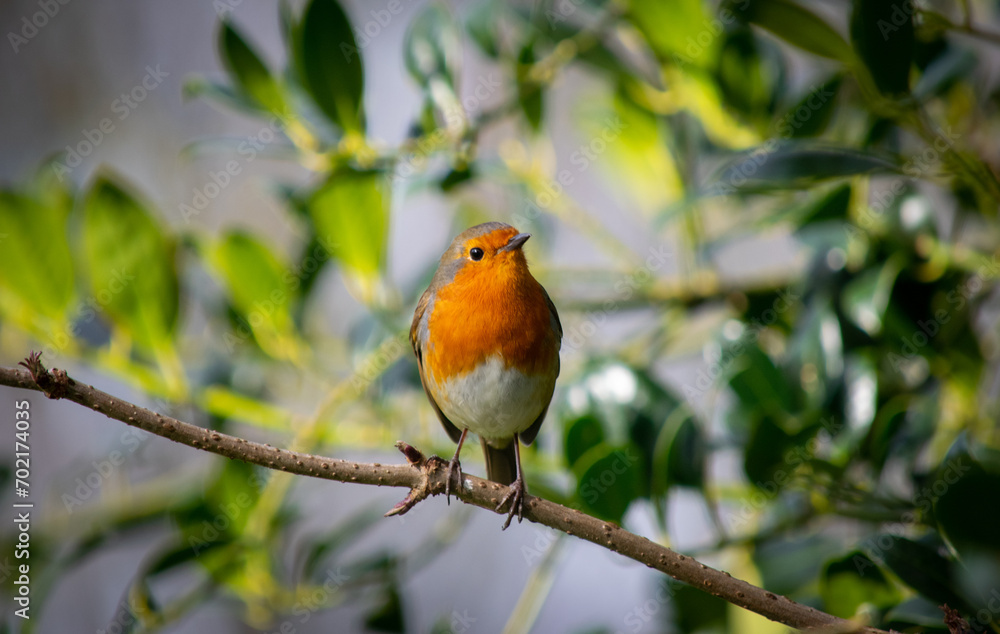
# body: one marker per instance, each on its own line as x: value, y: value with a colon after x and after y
x: 882, y: 34
x: 679, y: 455
x: 351, y: 214
x: 130, y: 262
x: 530, y: 95
x: 483, y: 25
x: 317, y: 552
x: 833, y: 205
x: 676, y: 30
x: 866, y: 297
x: 35, y: 258
x: 330, y: 64
x: 845, y: 589
x: 696, y: 610
x: 916, y: 611
x: 259, y: 286
x: 759, y: 384
x: 920, y: 566
x: 608, y: 479
x: 627, y: 142
x: 433, y: 46
x: 812, y: 114
x: 860, y: 395
x: 944, y: 72
x: 800, y: 27
x: 747, y: 80
x: 795, y: 165
x: 225, y: 403
x: 790, y: 563
x: 582, y: 434
x: 971, y: 526
x: 248, y: 71
x: 388, y: 615
x: 817, y: 345
x: 765, y: 454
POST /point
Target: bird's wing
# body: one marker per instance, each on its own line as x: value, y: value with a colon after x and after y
x: 528, y: 435
x: 453, y: 432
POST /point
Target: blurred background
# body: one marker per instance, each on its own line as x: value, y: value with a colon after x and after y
x: 770, y: 228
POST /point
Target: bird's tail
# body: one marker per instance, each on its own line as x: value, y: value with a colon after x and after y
x: 501, y: 463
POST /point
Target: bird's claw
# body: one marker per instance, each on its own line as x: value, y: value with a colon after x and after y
x: 453, y: 466
x: 515, y: 494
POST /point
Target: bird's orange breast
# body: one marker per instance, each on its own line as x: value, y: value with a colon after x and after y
x: 486, y: 311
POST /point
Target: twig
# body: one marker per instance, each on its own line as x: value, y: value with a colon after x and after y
x: 425, y: 477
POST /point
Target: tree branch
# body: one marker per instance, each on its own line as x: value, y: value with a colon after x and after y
x: 425, y: 477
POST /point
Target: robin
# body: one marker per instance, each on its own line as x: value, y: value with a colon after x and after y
x: 487, y: 340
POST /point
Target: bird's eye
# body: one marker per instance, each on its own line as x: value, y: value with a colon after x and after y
x: 476, y: 253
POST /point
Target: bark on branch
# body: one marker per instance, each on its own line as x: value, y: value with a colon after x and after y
x: 425, y: 477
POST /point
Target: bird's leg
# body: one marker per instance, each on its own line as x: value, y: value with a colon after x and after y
x: 453, y: 465
x: 516, y: 491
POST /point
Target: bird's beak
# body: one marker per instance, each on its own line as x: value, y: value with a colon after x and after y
x: 516, y: 242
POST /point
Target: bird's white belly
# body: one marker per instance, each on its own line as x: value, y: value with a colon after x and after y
x: 494, y: 401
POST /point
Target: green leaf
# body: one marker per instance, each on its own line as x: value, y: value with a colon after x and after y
x: 388, y: 614
x: 920, y: 566
x: 529, y: 94
x: 608, y: 479
x: 970, y: 525
x: 260, y: 286
x: 224, y: 403
x: 811, y: 115
x: 844, y: 588
x: 679, y: 454
x: 800, y: 27
x: 747, y: 79
x: 676, y: 30
x: 36, y: 266
x: 582, y: 434
x: 248, y: 71
x: 627, y: 142
x: 130, y: 262
x: 795, y: 165
x: 882, y: 34
x: 759, y: 384
x: 764, y: 454
x: 433, y: 46
x: 866, y: 297
x: 330, y: 64
x: 695, y: 610
x: 351, y: 215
